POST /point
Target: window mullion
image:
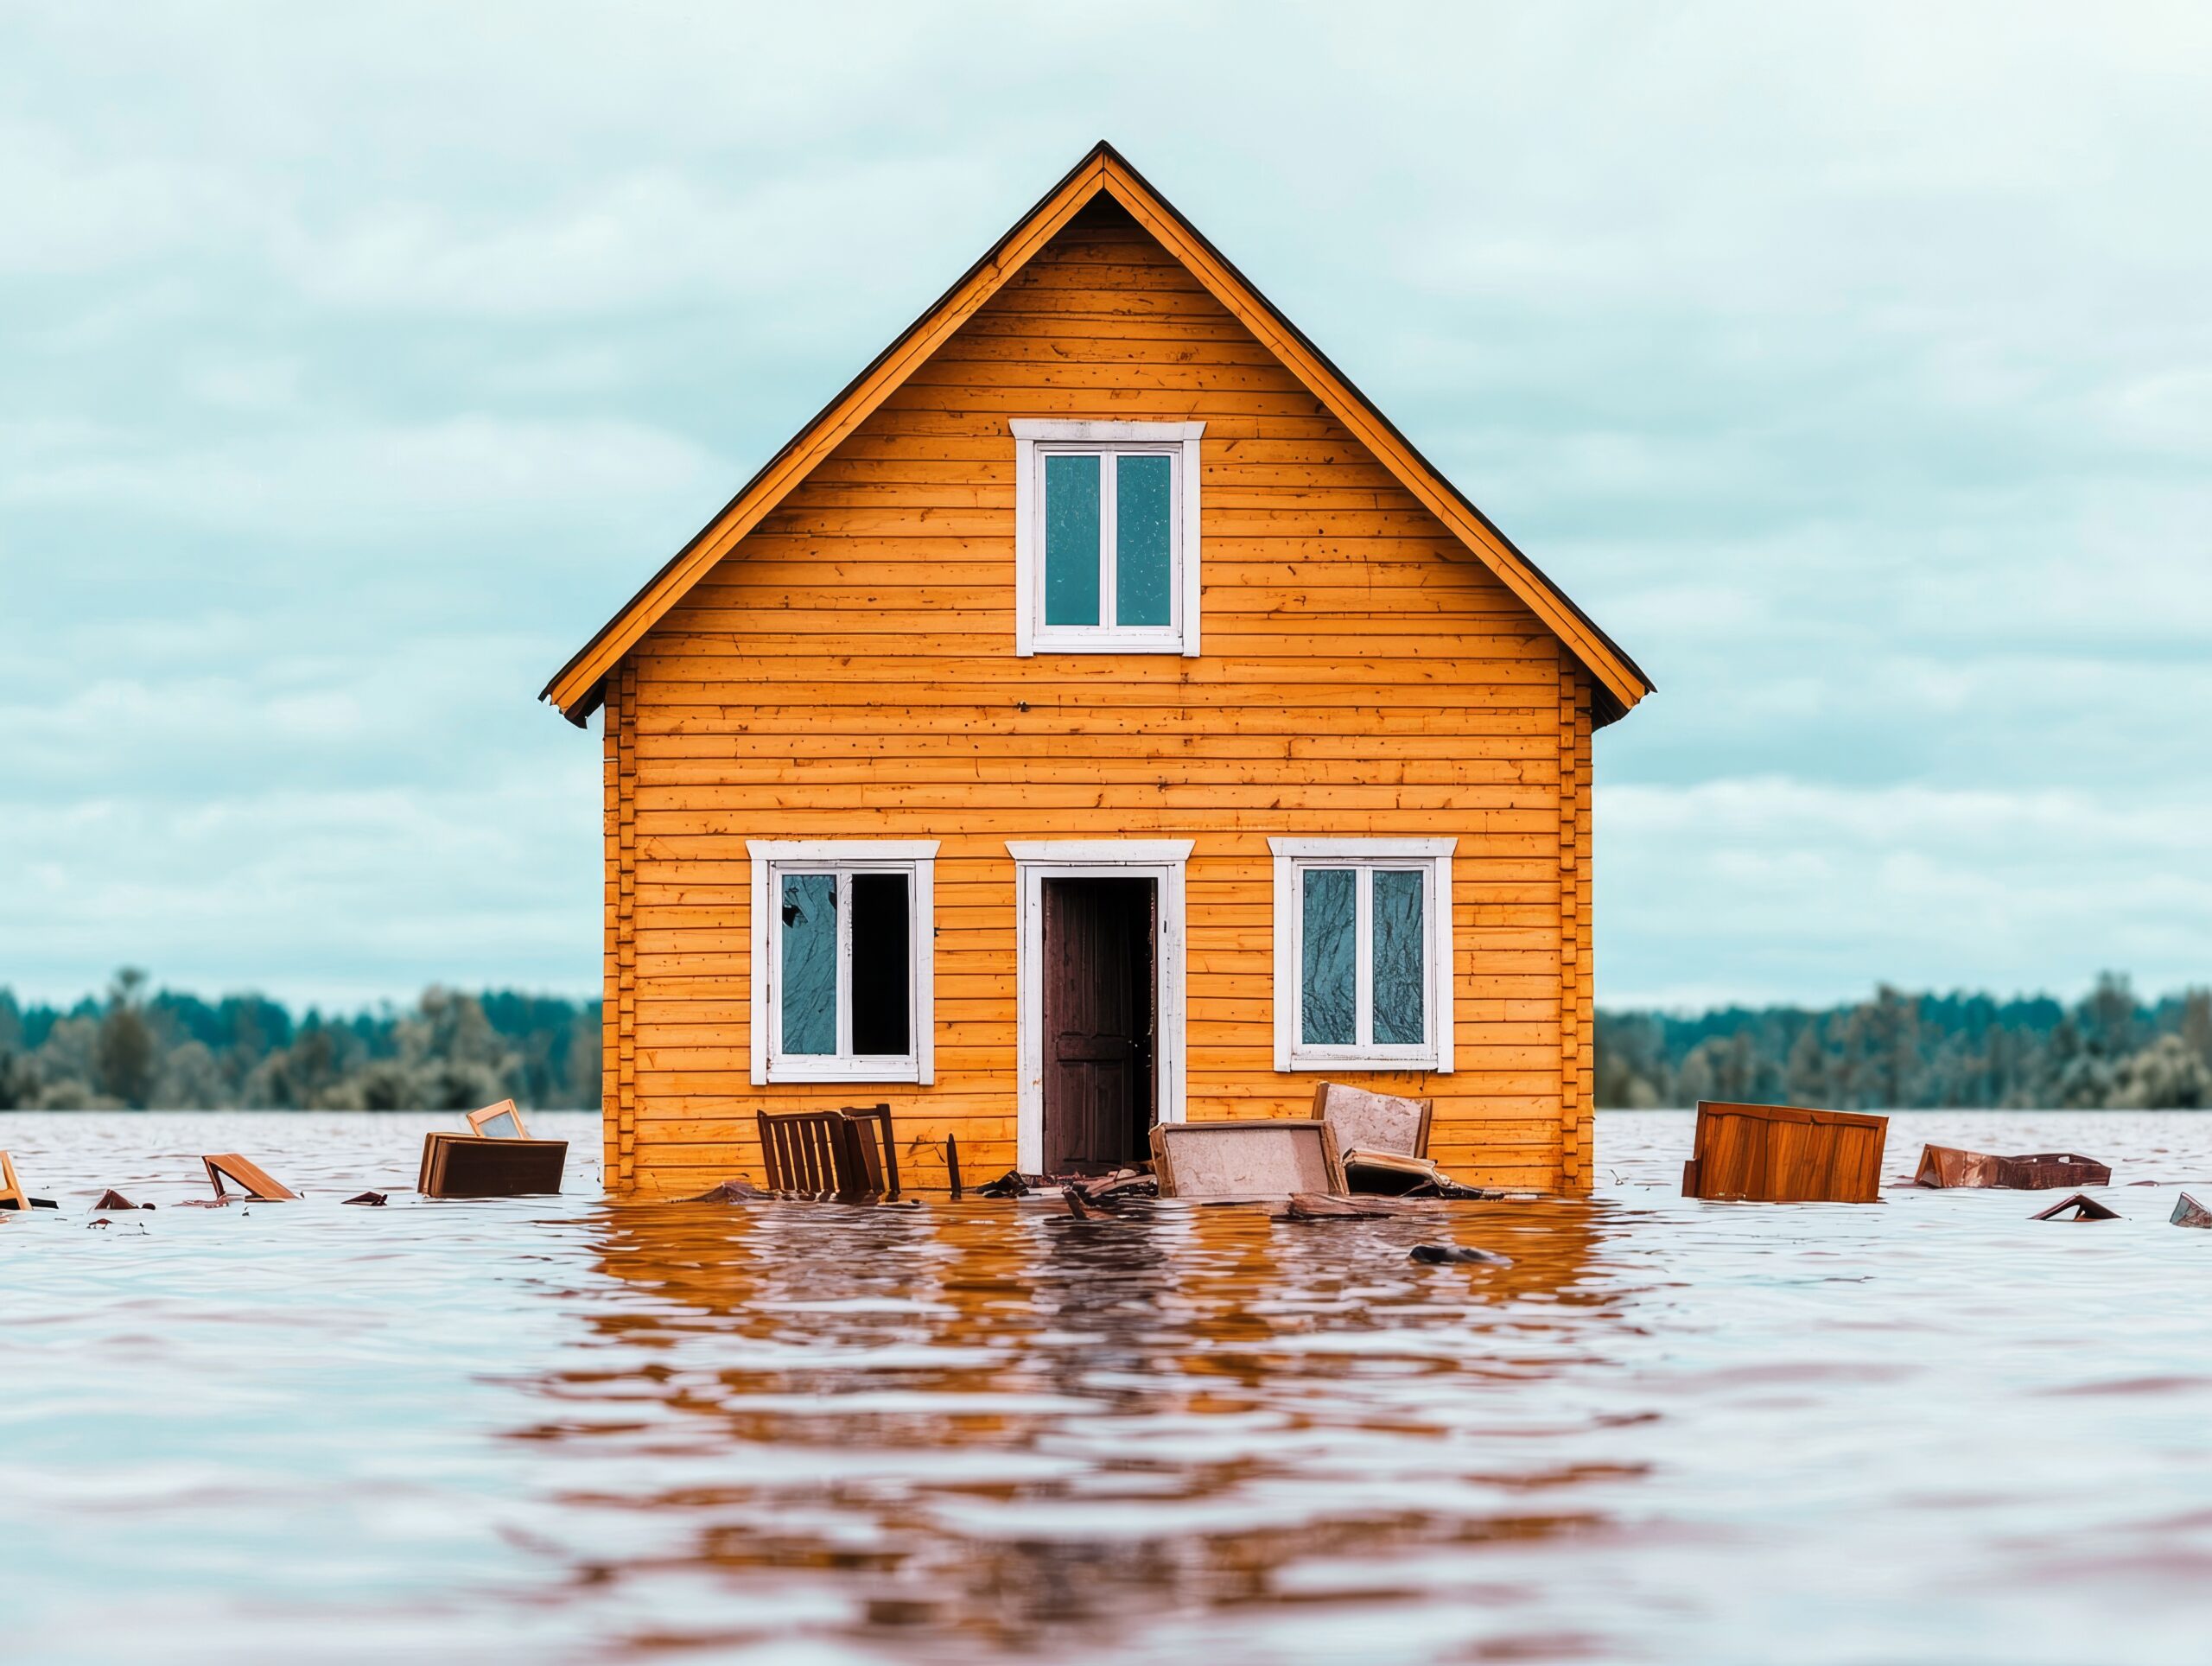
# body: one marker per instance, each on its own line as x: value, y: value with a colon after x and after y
x: 1362, y: 913
x: 1110, y: 609
x: 844, y: 987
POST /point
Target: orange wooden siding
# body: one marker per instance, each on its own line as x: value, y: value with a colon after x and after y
x: 849, y: 671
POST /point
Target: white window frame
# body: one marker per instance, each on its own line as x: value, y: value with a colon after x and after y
x: 771, y: 860
x: 1035, y: 860
x: 1033, y: 441
x: 1292, y: 857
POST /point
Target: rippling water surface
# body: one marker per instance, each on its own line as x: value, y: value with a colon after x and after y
x: 1929, y: 1430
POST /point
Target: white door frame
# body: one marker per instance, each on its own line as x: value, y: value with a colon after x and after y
x: 1036, y: 860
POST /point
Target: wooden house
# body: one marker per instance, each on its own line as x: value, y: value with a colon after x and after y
x: 1100, y: 714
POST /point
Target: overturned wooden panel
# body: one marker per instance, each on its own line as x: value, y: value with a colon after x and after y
x: 2079, y: 1207
x: 249, y: 1178
x: 2190, y: 1212
x: 1373, y: 1122
x: 1246, y: 1160
x: 1948, y: 1166
x: 469, y: 1166
x: 1783, y: 1154
x: 12, y: 1195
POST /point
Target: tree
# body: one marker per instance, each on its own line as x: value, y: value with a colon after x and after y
x: 122, y: 1053
x: 2168, y: 1075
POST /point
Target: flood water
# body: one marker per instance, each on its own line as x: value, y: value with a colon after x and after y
x: 1928, y: 1430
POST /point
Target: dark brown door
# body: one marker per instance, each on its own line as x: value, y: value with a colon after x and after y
x: 1099, y: 1023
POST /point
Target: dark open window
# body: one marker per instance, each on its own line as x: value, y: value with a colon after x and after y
x: 882, y: 965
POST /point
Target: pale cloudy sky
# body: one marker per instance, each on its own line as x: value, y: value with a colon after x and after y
x: 1851, y: 364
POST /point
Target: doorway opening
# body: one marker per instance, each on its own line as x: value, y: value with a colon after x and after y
x: 1100, y: 1023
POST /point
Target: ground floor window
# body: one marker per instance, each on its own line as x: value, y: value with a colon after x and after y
x: 1362, y: 931
x: 841, y: 979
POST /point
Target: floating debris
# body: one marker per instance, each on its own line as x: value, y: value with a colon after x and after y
x: 499, y: 1122
x: 1373, y: 1122
x: 249, y: 1178
x: 1246, y: 1161
x: 1074, y: 1202
x: 111, y: 1199
x: 1008, y: 1185
x: 1781, y: 1153
x: 2084, y: 1208
x: 1316, y: 1206
x: 732, y: 1191
x: 2190, y: 1212
x: 1947, y: 1168
x: 1453, y: 1255
x: 372, y: 1200
x: 12, y: 1195
x: 467, y: 1166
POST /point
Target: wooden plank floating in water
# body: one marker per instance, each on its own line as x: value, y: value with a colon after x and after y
x: 1948, y: 1166
x: 467, y: 1166
x: 2190, y: 1212
x: 1246, y: 1161
x: 249, y: 1178
x: 1781, y: 1153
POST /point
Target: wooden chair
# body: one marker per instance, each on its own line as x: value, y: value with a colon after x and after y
x: 809, y: 1152
x: 878, y: 1147
x: 846, y: 1152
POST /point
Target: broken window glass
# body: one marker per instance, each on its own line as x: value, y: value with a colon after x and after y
x: 1328, y: 978
x: 882, y: 965
x: 809, y: 991
x: 1400, y: 967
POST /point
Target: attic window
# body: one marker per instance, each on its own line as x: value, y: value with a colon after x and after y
x: 1106, y: 537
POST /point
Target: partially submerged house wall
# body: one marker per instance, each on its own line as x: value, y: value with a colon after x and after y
x: 849, y: 671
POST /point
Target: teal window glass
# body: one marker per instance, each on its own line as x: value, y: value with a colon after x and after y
x: 1327, y: 977
x: 809, y: 994
x: 1071, y: 544
x: 1400, y: 983
x: 1143, y: 506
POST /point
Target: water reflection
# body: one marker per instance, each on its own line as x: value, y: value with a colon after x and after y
x: 993, y: 1422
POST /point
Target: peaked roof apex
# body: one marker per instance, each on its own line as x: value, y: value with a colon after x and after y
x: 577, y: 688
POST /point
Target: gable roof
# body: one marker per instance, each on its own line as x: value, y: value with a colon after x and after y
x: 577, y: 688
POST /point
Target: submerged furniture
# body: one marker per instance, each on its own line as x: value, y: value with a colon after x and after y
x: 499, y: 1122
x: 1373, y: 1122
x: 1247, y: 1161
x: 1780, y: 1153
x: 847, y: 1154
x: 1947, y: 1166
x: 469, y: 1166
x: 249, y: 1178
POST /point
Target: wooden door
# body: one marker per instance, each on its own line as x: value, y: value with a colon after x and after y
x: 1100, y: 1022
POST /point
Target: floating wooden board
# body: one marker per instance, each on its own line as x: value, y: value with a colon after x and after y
x: 1946, y: 1167
x: 1247, y: 1161
x: 469, y: 1166
x: 2190, y: 1212
x: 249, y: 1178
x: 1373, y: 1122
x: 12, y: 1195
x: 1781, y: 1154
x: 499, y: 1122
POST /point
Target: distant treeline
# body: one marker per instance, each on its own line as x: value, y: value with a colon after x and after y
x: 138, y: 1048
x: 1903, y: 1051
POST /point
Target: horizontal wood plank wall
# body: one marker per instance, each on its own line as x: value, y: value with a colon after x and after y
x: 849, y: 671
